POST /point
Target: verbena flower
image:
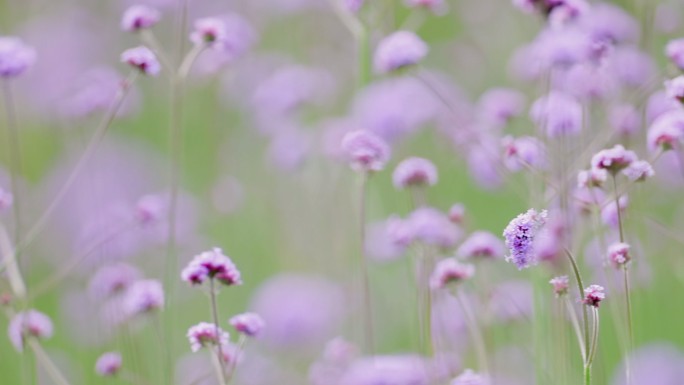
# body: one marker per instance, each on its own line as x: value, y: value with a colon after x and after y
x: 210, y: 31
x: 500, y: 105
x: 433, y: 227
x: 639, y: 171
x: 109, y: 364
x: 592, y: 178
x: 560, y: 285
x: 399, y: 50
x: 143, y: 297
x: 613, y: 159
x: 675, y: 88
x: 523, y: 152
x: 557, y: 114
x: 618, y: 254
x: 666, y: 132
x: 481, y: 244
x: 675, y: 52
x: 593, y: 295
x: 139, y: 17
x: 469, y: 377
x: 456, y: 213
x: 520, y: 235
x: 206, y: 334
x: 6, y: 199
x: 414, y: 172
x: 150, y: 209
x: 365, y: 151
x: 28, y: 324
x: 112, y: 279
x: 15, y: 57
x: 450, y: 271
x: 625, y: 119
x: 142, y: 59
x: 249, y: 324
x: 212, y: 264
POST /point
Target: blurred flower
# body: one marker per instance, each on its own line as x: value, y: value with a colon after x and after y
x: 15, y: 57
x: 481, y: 244
x: 433, y: 227
x: 609, y: 214
x: 524, y: 152
x: 657, y: 363
x: 589, y: 81
x: 111, y: 280
x: 666, y: 132
x: 450, y: 271
x: 354, y: 6
x: 500, y: 105
x: 249, y: 324
x: 613, y: 159
x: 292, y: 87
x: 520, y: 235
x: 387, y: 370
x: 512, y: 301
x: 675, y: 52
x: 108, y: 364
x: 204, y: 334
x: 28, y: 324
x: 557, y: 114
x: 608, y: 22
x: 142, y: 59
x: 456, y: 213
x: 639, y: 171
x: 675, y: 88
x: 438, y: 7
x: 139, y: 17
x: 593, y: 295
x: 289, y: 148
x: 592, y: 178
x: 388, y: 239
x: 658, y: 105
x: 94, y: 92
x: 209, y: 31
x: 567, y: 11
x: 469, y: 377
x: 560, y: 285
x: 618, y: 254
x: 625, y: 119
x: 212, y: 264
x: 6, y: 199
x: 144, y: 296
x: 414, y: 172
x: 399, y: 50
x: 365, y: 151
x: 238, y: 37
x: 150, y: 209
x: 559, y: 48
x: 668, y: 17
x: 632, y: 67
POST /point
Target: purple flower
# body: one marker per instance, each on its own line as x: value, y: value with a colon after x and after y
x: 113, y: 279
x: 27, y: 324
x: 609, y: 214
x: 139, y: 17
x: 438, y: 7
x: 234, y: 37
x: 481, y: 244
x: 593, y: 295
x: 212, y: 264
x: 142, y: 59
x: 456, y: 213
x: 450, y: 271
x: 560, y: 48
x: 143, y: 297
x: 618, y: 254
x: 666, y: 132
x: 639, y: 171
x: 675, y: 88
x: 523, y: 152
x: 109, y: 364
x: 625, y: 119
x: 365, y: 151
x: 249, y: 324
x: 520, y: 235
x: 399, y: 50
x: 560, y: 285
x: 150, y: 209
x: 592, y: 177
x: 208, y: 31
x: 469, y: 377
x: 675, y: 52
x: 433, y: 227
x: 613, y: 159
x: 656, y: 363
x: 354, y: 6
x: 204, y: 334
x: 94, y: 92
x: 500, y: 105
x: 6, y: 199
x: 388, y: 370
x: 414, y: 172
x: 557, y: 114
x: 15, y: 57
x: 609, y: 23
x: 567, y: 11
x: 632, y: 67
x: 292, y: 87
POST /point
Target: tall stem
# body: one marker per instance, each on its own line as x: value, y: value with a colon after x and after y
x: 363, y: 264
x: 585, y: 317
x: 49, y: 366
x: 214, y: 314
x: 363, y: 58
x: 587, y: 374
x: 475, y: 332
x: 234, y: 360
x: 15, y: 157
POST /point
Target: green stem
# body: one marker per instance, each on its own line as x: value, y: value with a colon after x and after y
x: 475, y: 332
x: 219, y: 347
x: 47, y: 363
x: 365, y: 279
x: 585, y: 317
x: 587, y: 374
x: 15, y: 157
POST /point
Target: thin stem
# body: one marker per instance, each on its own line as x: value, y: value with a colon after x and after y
x: 474, y: 329
x: 617, y: 207
x: 10, y: 262
x: 15, y: 156
x: 630, y: 328
x: 587, y: 374
x: 365, y: 279
x: 215, y: 316
x: 47, y: 363
x: 575, y: 325
x: 594, y: 337
x: 580, y: 287
x: 238, y: 352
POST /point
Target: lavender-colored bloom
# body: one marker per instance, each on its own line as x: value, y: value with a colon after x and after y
x: 660, y: 104
x: 675, y: 88
x: 639, y: 171
x: 387, y: 240
x: 625, y: 119
x: 668, y: 17
x: 249, y: 324
x: 613, y: 159
x: 289, y: 149
x: 593, y: 295
x: 414, y: 172
x: 567, y: 11
x: 469, y: 377
x: 211, y: 264
x: 590, y: 81
x: 560, y: 285
x: 6, y: 199
x: 560, y: 48
x: 365, y: 151
x: 432, y: 227
x: 523, y: 152
x: 609, y: 214
x: 558, y: 114
x: 15, y: 57
x: 666, y: 132
x: 109, y: 364
x: 512, y: 301
x: 139, y: 17
x: 28, y: 324
x: 632, y: 67
x: 450, y: 271
x: 388, y: 370
x: 113, y: 279
x: 500, y: 105
x: 618, y: 254
x: 354, y: 6
x: 292, y: 87
x: 520, y: 235
x: 237, y: 36
x: 150, y: 209
x: 399, y: 50
x: 438, y: 7
x: 144, y: 297
x: 205, y: 334
x: 456, y: 213
x: 142, y: 59
x: 592, y: 178
x: 609, y: 23
x: 208, y: 31
x: 481, y: 244
x: 675, y: 52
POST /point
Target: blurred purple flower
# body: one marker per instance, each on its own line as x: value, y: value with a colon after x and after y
x: 557, y: 114
x: 448, y: 272
x: 625, y: 119
x: 666, y: 132
x: 111, y: 280
x: 238, y: 36
x: 387, y: 370
x: 143, y: 297
x: 139, y: 17
x: 500, y: 105
x: 512, y: 301
x: 399, y: 50
x: 249, y: 324
x: 15, y: 57
x: 28, y: 324
x: 142, y: 59
x: 365, y: 151
x: 469, y: 377
x: 632, y: 67
x: 655, y: 363
x: 414, y: 172
x: 204, y: 334
x: 609, y: 214
x: 481, y: 245
x: 108, y: 364
x: 524, y: 152
x: 6, y: 199
x: 608, y: 22
x: 432, y: 227
x: 675, y: 52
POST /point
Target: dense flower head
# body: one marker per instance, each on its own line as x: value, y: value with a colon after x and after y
x: 618, y: 254
x: 613, y: 159
x: 639, y: 171
x: 211, y: 264
x: 481, y: 244
x: 29, y: 323
x: 142, y: 59
x: 667, y: 131
x: 433, y: 227
x: 204, y: 334
x: 15, y: 57
x: 593, y: 295
x: 108, y: 364
x: 469, y: 377
x: 449, y: 271
x: 143, y: 297
x: 209, y: 31
x: 592, y: 177
x: 112, y: 279
x: 399, y: 50
x: 560, y: 285
x: 139, y: 17
x: 557, y: 114
x: 414, y: 172
x: 249, y: 324
x: 520, y: 236
x: 6, y: 199
x: 675, y: 52
x: 365, y: 151
x: 523, y: 152
x: 500, y: 105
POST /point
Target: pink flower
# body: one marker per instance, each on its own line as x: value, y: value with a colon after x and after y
x: 209, y: 31
x: 523, y: 152
x: 675, y: 88
x: 249, y: 324
x: 138, y: 17
x: 27, y: 324
x: 481, y: 244
x: 433, y: 227
x: 456, y: 213
x: 667, y: 131
x: 112, y: 279
x: 6, y: 200
x: 15, y: 57
x: 212, y: 264
x: 150, y: 209
x: 613, y: 159
x: 142, y: 59
x: 560, y: 285
x: 618, y: 254
x: 399, y: 50
x: 469, y: 377
x: 675, y: 52
x: 365, y: 151
x: 450, y: 271
x: 204, y: 334
x: 144, y: 297
x: 639, y: 171
x: 108, y: 364
x: 414, y: 172
x: 593, y: 295
x: 591, y: 178
x: 558, y: 114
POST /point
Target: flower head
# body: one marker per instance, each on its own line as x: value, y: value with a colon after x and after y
x: 433, y: 227
x: 481, y: 244
x: 450, y: 271
x: 618, y: 254
x: 456, y: 213
x: 354, y: 6
x: 249, y: 324
x: 522, y: 152
x: 675, y: 88
x: 675, y: 52
x: 108, y: 364
x: 560, y: 285
x: 500, y: 105
x: 15, y: 57
x: 139, y: 17
x: 365, y: 151
x: 593, y: 295
x: 204, y: 334
x: 414, y: 172
x: 142, y: 59
x: 30, y: 323
x: 666, y: 132
x: 469, y: 377
x: 639, y: 171
x: 144, y: 296
x: 592, y: 177
x: 6, y: 200
x: 112, y: 279
x: 399, y: 50
x: 558, y: 114
x: 212, y: 264
x: 520, y: 235
x: 209, y: 31
x: 613, y: 159
x: 150, y: 209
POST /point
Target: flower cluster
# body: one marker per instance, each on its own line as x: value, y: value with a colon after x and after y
x: 211, y: 264
x: 520, y: 236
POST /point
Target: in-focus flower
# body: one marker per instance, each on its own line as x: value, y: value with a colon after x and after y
x: 414, y: 172
x: 27, y: 324
x: 109, y: 364
x: 618, y: 254
x: 212, y: 264
x: 249, y: 324
x: 139, y: 17
x: 639, y: 171
x: 469, y: 377
x: 593, y: 295
x: 560, y: 285
x: 557, y: 114
x: 481, y: 244
x: 204, y: 334
x: 112, y: 279
x: 520, y: 235
x: 592, y: 177
x: 675, y: 52
x: 675, y: 88
x: 143, y: 297
x: 15, y: 57
x: 450, y: 271
x: 365, y: 151
x: 399, y: 50
x: 143, y: 59
x: 613, y: 159
x: 6, y: 200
